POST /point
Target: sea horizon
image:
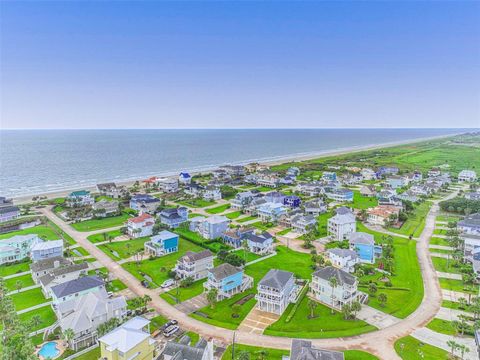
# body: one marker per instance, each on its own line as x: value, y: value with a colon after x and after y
x: 44, y: 161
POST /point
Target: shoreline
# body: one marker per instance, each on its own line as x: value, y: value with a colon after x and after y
x: 24, y: 199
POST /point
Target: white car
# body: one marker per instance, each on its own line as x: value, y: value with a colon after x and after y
x: 170, y: 330
x: 167, y: 283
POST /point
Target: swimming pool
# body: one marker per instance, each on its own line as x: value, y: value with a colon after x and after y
x: 49, y: 350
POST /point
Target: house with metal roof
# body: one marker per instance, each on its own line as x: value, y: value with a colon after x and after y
x: 183, y: 350
x: 43, y: 267
x: 228, y: 280
x: 46, y: 249
x: 9, y: 212
x: 470, y: 225
x: 17, y: 247
x: 144, y: 203
x: 162, y: 244
x: 342, y: 224
x: 61, y: 275
x: 303, y: 350
x: 194, y: 265
x: 344, y: 259
x: 173, y: 217
x: 76, y: 288
x: 276, y: 291
x: 261, y: 243
x: 79, y: 198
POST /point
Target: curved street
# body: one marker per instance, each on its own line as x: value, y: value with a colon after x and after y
x: 379, y: 343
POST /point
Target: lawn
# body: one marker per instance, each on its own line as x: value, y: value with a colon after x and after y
x: 26, y: 281
x: 43, y: 231
x: 221, y: 314
x: 124, y: 249
x: 363, y: 202
x: 157, y: 322
x: 272, y: 354
x: 415, y: 222
x: 409, y: 348
x: 440, y: 231
x: 102, y: 223
x: 456, y: 285
x: 439, y: 241
x: 6, y: 270
x: 233, y: 215
x: 116, y: 285
x: 324, y: 325
x: 283, y: 232
x: 441, y: 265
x: 91, y: 355
x: 246, y: 218
x: 157, y: 268
x: 27, y: 299
x: 218, y: 209
x: 46, y: 314
x: 262, y: 226
x: 407, y: 291
x: 322, y: 221
x: 196, y: 203
x: 79, y: 251
x: 182, y: 293
x: 96, y: 238
x: 441, y: 326
x: 455, y: 305
x: 441, y: 251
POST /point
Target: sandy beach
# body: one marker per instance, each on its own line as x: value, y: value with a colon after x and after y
x: 272, y: 161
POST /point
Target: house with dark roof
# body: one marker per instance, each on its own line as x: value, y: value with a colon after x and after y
x: 43, y: 267
x: 111, y: 190
x: 74, y: 288
x: 344, y: 292
x: 173, y: 217
x: 228, y: 280
x: 260, y: 243
x: 194, y: 265
x: 183, y: 350
x: 276, y: 291
x: 8, y: 213
x: 470, y: 225
x: 235, y: 237
x: 303, y: 350
x: 61, y: 275
x: 144, y: 203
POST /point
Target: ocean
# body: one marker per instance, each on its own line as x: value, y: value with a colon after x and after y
x: 40, y: 161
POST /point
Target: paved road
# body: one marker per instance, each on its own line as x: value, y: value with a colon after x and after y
x: 379, y: 342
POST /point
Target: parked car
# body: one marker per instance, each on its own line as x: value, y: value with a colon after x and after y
x: 169, y: 331
x: 170, y: 323
x: 145, y: 283
x: 167, y: 283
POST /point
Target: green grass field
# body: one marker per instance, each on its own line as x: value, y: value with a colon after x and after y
x: 233, y: 215
x: 10, y: 269
x: 46, y: 314
x: 43, y: 231
x: 415, y: 222
x: 363, y: 202
x: 455, y: 305
x: 183, y: 294
x: 441, y: 251
x: 456, y: 285
x: 27, y: 299
x: 409, y: 348
x: 196, y: 203
x: 124, y: 249
x: 99, y: 224
x: 218, y: 209
x: 116, y: 285
x: 441, y: 326
x: 158, y: 268
x: 441, y: 265
x: 439, y: 241
x: 26, y: 281
x: 96, y: 238
x: 246, y: 218
x: 324, y: 325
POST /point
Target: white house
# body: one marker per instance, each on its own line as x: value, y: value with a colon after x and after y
x: 194, y: 265
x: 467, y: 176
x: 315, y: 207
x: 162, y: 244
x: 368, y: 174
x: 271, y: 212
x: 211, y: 193
x: 140, y: 226
x: 184, y: 178
x: 259, y: 243
x: 168, y: 185
x: 46, y: 249
x: 61, y: 275
x: 344, y: 259
x: 276, y: 291
x: 80, y: 198
x: 342, y: 224
x: 210, y: 228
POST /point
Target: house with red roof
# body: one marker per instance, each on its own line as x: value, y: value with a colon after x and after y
x: 140, y: 226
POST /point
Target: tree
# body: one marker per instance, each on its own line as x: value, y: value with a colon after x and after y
x: 372, y: 288
x: 333, y: 284
x: 347, y: 311
x: 312, y: 305
x: 453, y: 345
x: 262, y: 354
x: 463, y: 349
x: 245, y: 248
x: 356, y: 307
x: 212, y: 297
x: 68, y: 335
x: 236, y: 310
x: 18, y: 285
x: 187, y: 282
x: 382, y: 299
x: 145, y: 300
x: 244, y: 355
x: 36, y: 321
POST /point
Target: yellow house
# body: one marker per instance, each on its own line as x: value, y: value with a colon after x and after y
x: 129, y: 341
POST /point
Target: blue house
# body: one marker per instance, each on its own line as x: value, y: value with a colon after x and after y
x: 364, y: 245
x: 292, y: 201
x: 228, y: 280
x: 387, y: 170
x: 329, y: 176
x: 174, y: 217
x: 164, y: 243
x: 184, y: 178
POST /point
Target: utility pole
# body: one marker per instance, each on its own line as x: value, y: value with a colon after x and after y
x: 233, y: 346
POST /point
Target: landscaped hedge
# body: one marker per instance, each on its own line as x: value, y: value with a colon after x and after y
x: 459, y: 205
x: 297, y: 304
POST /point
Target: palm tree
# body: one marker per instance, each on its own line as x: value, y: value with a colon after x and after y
x: 68, y: 335
x: 18, y: 285
x: 262, y: 354
x: 312, y: 305
x: 245, y: 247
x: 333, y: 284
x: 36, y: 321
x: 244, y: 355
x: 355, y: 307
x: 212, y: 297
x: 453, y: 345
x: 463, y: 349
x: 382, y: 299
x: 146, y: 299
x: 372, y: 288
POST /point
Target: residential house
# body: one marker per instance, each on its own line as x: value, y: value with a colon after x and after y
x: 364, y: 245
x: 144, y: 203
x: 85, y: 313
x: 271, y: 212
x: 259, y: 243
x: 168, y: 185
x: 211, y: 193
x: 184, y: 178
x: 388, y: 197
x: 173, y: 217
x: 341, y: 195
x: 228, y: 280
x: 387, y: 170
x: 344, y: 259
x: 235, y: 237
x: 292, y: 201
x: 368, y: 174
x: 233, y: 170
x: 315, y: 207
x: 434, y: 172
x: 183, y: 350
x: 408, y: 196
x: 471, y: 246
x: 396, y: 182
x: 60, y: 275
x: 80, y: 198
x: 368, y: 190
x: 44, y: 267
x: 286, y: 219
x: 105, y: 208
x: 329, y: 176
x: 129, y: 341
x: 352, y: 179
x: 415, y: 177
x: 255, y: 204
x: 310, y: 189
x: 210, y: 228
x: 473, y: 196
x: 345, y: 291
x: 241, y: 200
x: 470, y: 225
x: 382, y: 214
x: 420, y: 190
x: 342, y: 224
x: 75, y: 288
x: 17, y: 247
x: 287, y: 180
x: 46, y: 249
x: 303, y: 350
x: 9, y: 212
x: 140, y: 226
x: 467, y: 176
x: 111, y: 190
x: 194, y: 190
x: 162, y: 244
x: 194, y: 265
x: 293, y: 171
x: 304, y: 223
x: 267, y: 179
x: 276, y: 291
x: 275, y: 197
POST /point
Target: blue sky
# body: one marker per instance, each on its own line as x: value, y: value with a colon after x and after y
x: 240, y: 64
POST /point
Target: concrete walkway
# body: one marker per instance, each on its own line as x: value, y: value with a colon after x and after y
x: 34, y: 307
x: 453, y: 295
x: 441, y: 247
x: 23, y: 289
x: 441, y: 255
x: 16, y: 275
x: 449, y: 275
x: 451, y: 314
x: 193, y: 304
x: 386, y: 232
x: 376, y: 317
x: 440, y: 340
x: 257, y: 321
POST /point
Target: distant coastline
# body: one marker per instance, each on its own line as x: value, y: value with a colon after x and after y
x: 269, y: 161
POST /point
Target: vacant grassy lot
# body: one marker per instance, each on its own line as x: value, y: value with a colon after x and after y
x: 25, y: 280
x: 246, y: 218
x: 46, y: 314
x: 439, y: 241
x: 441, y: 265
x: 99, y: 224
x: 45, y: 232
x: 363, y: 202
x: 196, y: 203
x: 324, y: 325
x: 218, y: 209
x: 233, y: 215
x: 124, y: 249
x: 182, y: 293
x: 29, y: 298
x: 456, y: 285
x: 6, y: 270
x: 415, y: 222
x: 116, y: 285
x: 409, y: 348
x: 157, y: 268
